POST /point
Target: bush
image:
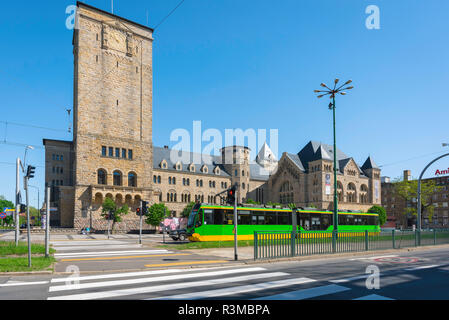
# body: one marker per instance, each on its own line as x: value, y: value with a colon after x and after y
x: 381, y: 212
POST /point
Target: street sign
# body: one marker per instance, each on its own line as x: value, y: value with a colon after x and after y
x: 2, y: 215
x: 10, y: 212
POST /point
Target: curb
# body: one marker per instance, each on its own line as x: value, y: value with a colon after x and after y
x: 242, y: 263
x: 344, y: 255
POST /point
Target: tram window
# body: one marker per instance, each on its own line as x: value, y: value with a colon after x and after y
x: 358, y: 221
x: 305, y: 221
x: 342, y: 219
x: 244, y: 218
x: 208, y: 216
x: 218, y: 216
x: 229, y: 217
x: 257, y: 218
x: 350, y: 220
x: 270, y: 218
x: 315, y: 222
x: 325, y: 221
x: 284, y: 218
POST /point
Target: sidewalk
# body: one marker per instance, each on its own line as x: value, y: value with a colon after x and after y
x: 246, y: 254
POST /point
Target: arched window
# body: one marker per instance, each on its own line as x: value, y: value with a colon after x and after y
x: 351, y: 194
x: 132, y: 179
x: 102, y: 177
x: 159, y: 179
x: 117, y: 178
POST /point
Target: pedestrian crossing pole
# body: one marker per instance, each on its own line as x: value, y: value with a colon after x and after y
x: 47, y: 223
x: 235, y: 230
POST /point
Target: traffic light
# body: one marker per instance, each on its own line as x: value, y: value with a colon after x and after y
x: 144, y: 208
x: 231, y: 195
x: 30, y: 172
x: 23, y: 208
x: 138, y: 211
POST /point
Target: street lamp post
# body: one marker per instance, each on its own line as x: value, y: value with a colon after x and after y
x: 419, y: 189
x: 332, y: 93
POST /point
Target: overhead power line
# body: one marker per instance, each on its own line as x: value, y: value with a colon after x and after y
x: 414, y: 158
x: 168, y: 15
x: 31, y: 126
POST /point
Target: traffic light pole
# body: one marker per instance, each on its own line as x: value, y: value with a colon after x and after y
x: 28, y: 222
x: 17, y: 220
x: 47, y: 223
x: 235, y: 230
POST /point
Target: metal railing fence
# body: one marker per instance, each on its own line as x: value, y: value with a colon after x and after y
x: 280, y: 244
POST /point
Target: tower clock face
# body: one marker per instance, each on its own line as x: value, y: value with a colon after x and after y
x: 117, y: 41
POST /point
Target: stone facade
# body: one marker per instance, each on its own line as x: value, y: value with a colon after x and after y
x: 307, y: 180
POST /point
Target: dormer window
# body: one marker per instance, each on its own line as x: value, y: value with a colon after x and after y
x: 164, y: 164
x: 204, y: 169
x: 217, y: 171
x: 178, y: 166
x: 192, y: 167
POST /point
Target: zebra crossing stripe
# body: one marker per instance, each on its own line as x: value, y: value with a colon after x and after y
x: 147, y: 280
x: 373, y: 297
x: 165, y: 287
x: 236, y: 290
x: 129, y: 274
x: 106, y: 253
x: 307, y: 293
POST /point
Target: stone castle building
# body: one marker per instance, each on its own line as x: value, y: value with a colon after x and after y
x: 112, y: 154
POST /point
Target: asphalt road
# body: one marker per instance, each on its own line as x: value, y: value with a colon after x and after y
x: 421, y: 274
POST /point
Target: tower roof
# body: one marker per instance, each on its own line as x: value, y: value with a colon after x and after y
x: 265, y: 155
x: 369, y: 164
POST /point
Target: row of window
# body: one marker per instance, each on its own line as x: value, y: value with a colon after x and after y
x: 117, y: 178
x: 186, y: 182
x: 117, y: 153
x: 58, y: 170
x: 186, y: 198
x: 57, y: 157
x: 57, y: 183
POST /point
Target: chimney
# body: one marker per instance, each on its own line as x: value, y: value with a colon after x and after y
x: 166, y: 147
x: 407, y: 175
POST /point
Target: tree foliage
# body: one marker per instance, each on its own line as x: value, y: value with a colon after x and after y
x: 6, y: 204
x: 408, y: 191
x: 109, y: 206
x: 187, y: 210
x: 156, y: 213
x: 381, y: 212
x: 251, y: 201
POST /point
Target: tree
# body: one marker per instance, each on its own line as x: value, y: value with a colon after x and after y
x: 109, y: 206
x: 381, y: 212
x: 6, y: 204
x: 408, y: 190
x: 251, y: 201
x: 187, y: 210
x: 156, y: 213
x: 272, y: 204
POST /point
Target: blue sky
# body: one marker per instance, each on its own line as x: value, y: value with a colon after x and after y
x: 248, y: 64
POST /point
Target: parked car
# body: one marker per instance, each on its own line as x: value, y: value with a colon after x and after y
x: 178, y: 234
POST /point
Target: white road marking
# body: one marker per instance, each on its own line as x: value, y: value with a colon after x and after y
x: 108, y: 253
x: 350, y: 279
x: 372, y: 258
x: 130, y: 274
x: 236, y: 290
x: 422, y: 267
x: 84, y: 248
x: 307, y: 293
x: 148, y: 280
x: 15, y: 283
x: 173, y: 286
x: 373, y: 297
